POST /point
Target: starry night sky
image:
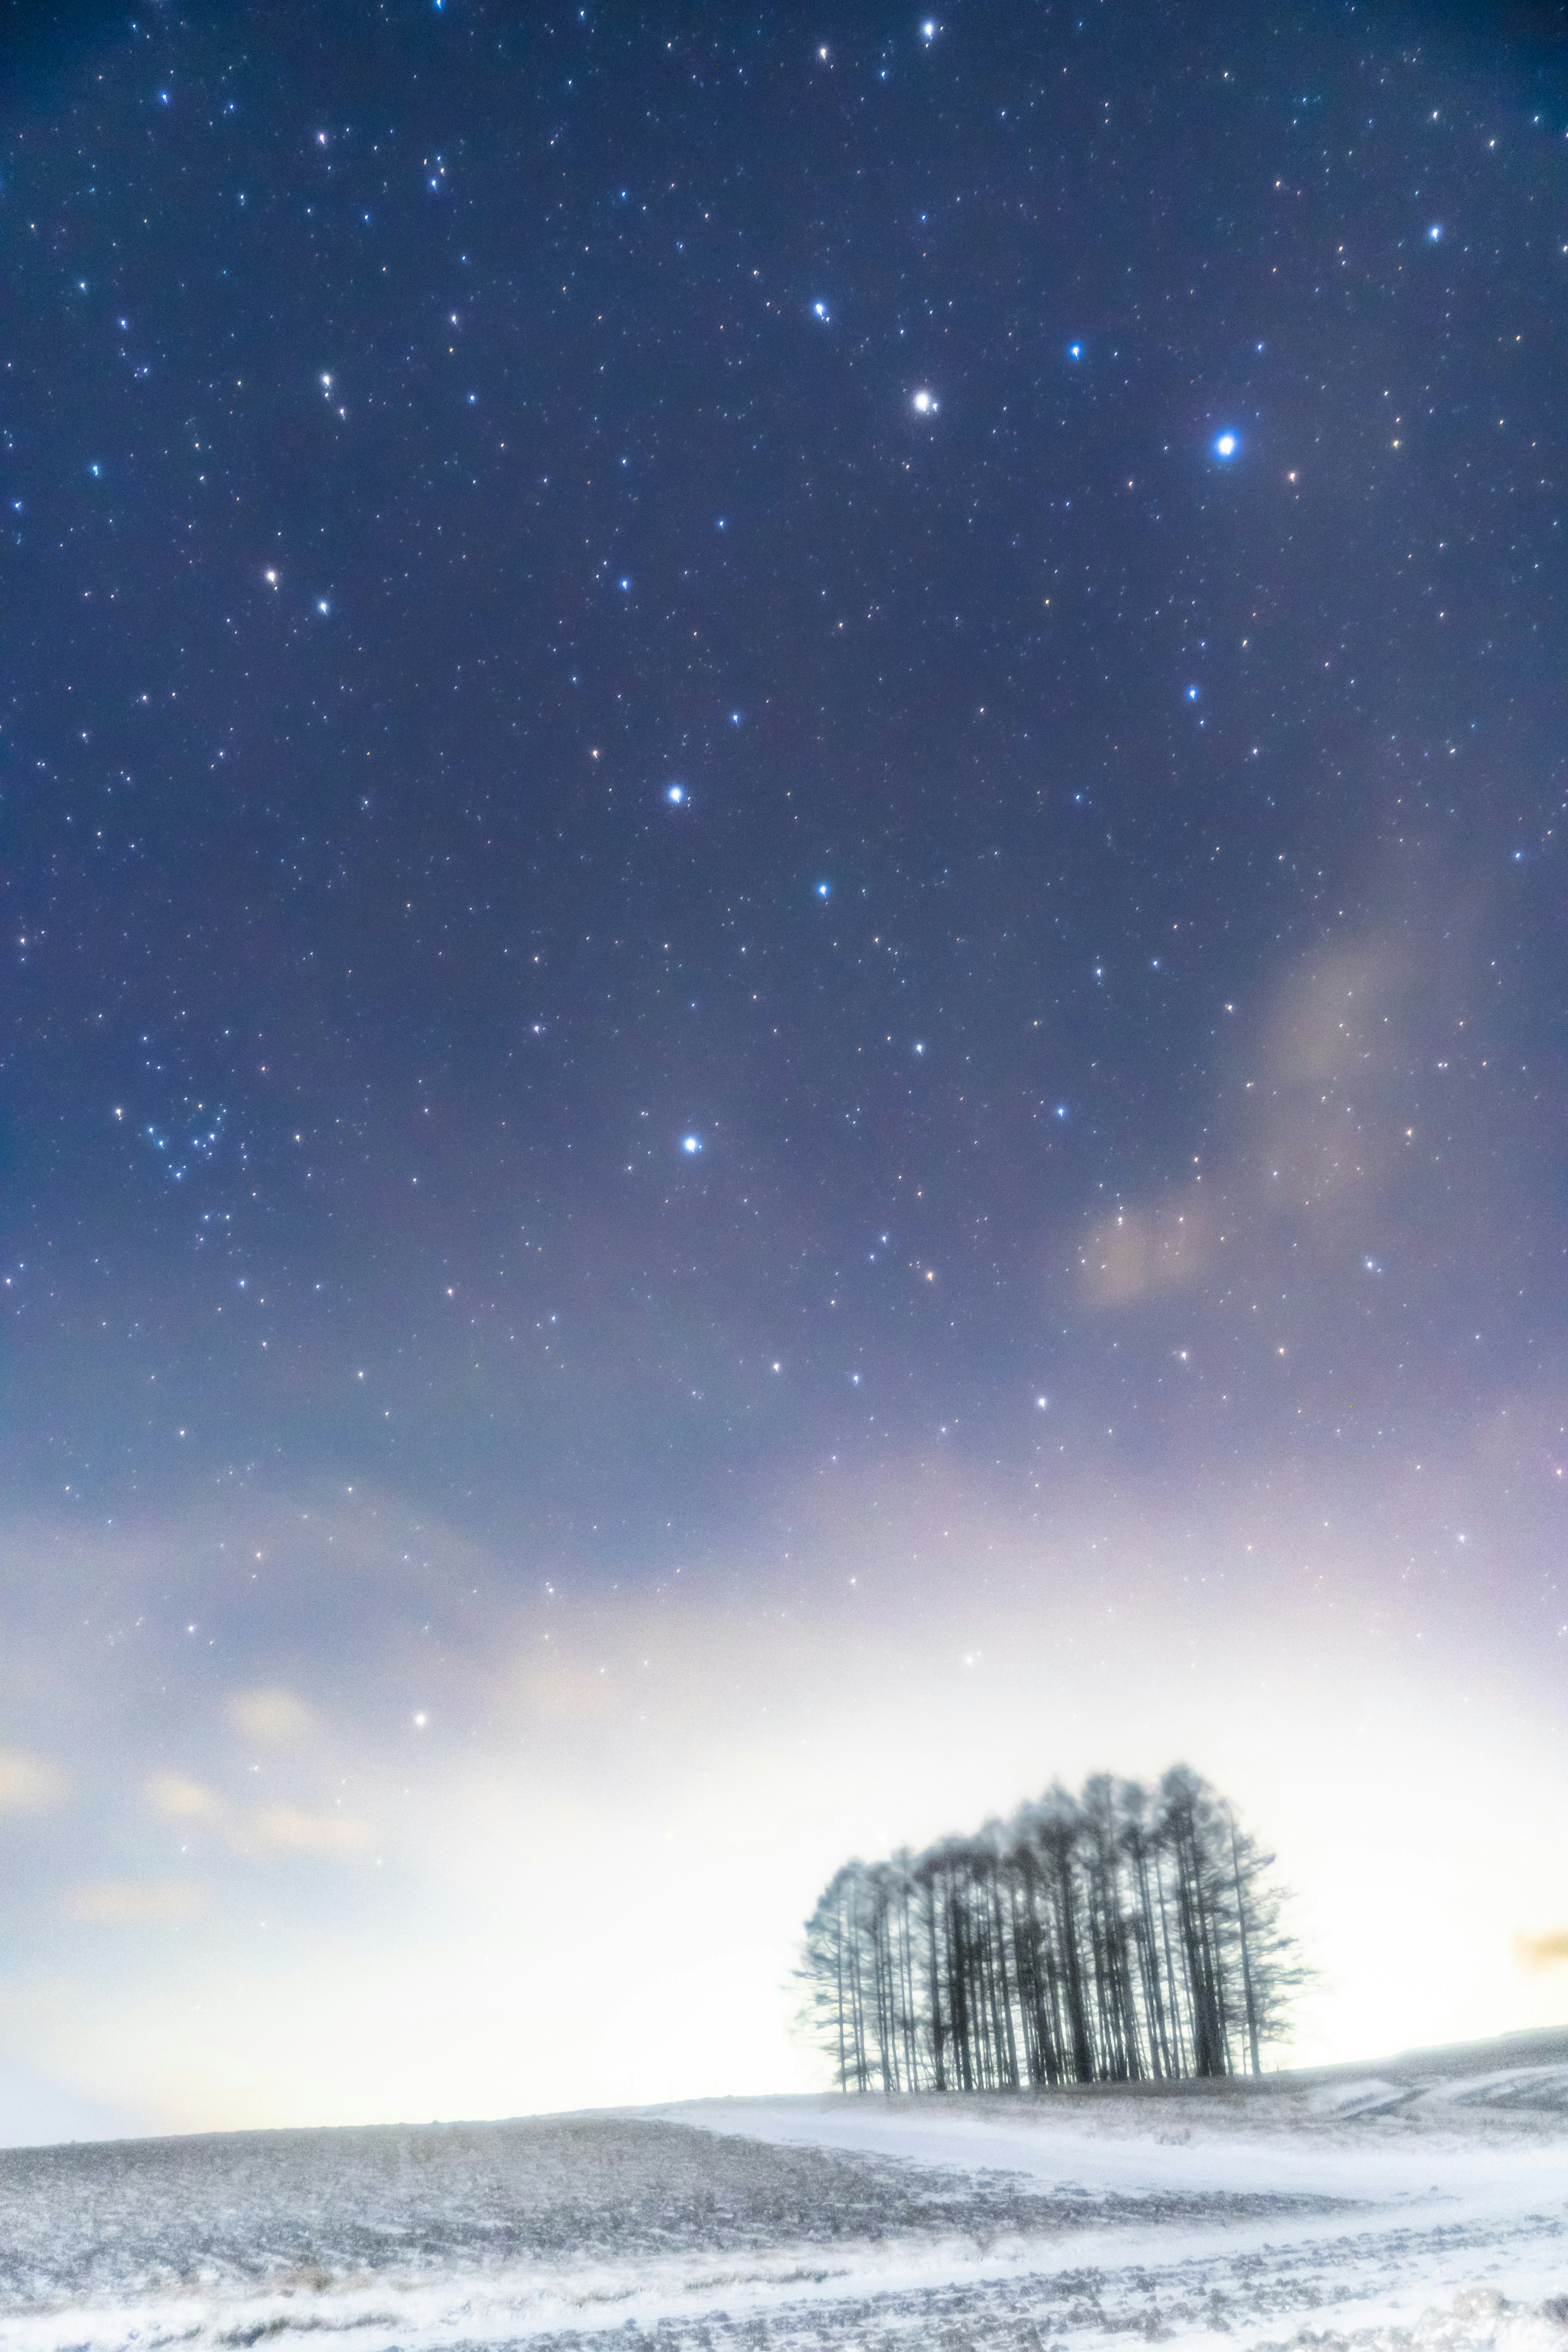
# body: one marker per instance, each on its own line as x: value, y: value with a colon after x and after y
x: 783, y: 819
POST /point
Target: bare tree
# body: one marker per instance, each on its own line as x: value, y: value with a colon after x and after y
x: 1104, y: 1937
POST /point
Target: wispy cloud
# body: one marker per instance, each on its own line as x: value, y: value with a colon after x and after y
x: 276, y: 1717
x: 27, y: 1783
x: 181, y: 1799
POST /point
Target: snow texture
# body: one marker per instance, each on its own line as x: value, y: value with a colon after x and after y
x: 1420, y: 2208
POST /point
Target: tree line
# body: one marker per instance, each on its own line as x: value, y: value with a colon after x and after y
x: 1107, y: 1938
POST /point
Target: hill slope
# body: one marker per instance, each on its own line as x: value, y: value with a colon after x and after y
x: 1423, y: 2202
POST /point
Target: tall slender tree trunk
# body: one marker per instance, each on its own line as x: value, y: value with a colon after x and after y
x: 1248, y: 1996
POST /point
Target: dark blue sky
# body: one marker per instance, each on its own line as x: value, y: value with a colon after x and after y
x: 1071, y: 498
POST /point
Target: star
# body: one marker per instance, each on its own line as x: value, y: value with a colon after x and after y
x: 1225, y: 445
x: 924, y: 403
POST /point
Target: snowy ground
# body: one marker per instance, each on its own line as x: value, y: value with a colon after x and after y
x: 1424, y: 2207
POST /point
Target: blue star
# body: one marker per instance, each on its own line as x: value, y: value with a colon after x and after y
x: 692, y: 1143
x: 1227, y: 443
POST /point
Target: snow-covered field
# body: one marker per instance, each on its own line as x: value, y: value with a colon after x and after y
x: 1426, y: 2206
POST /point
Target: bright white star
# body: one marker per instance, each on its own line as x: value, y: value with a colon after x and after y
x: 1226, y: 445
x: 924, y: 403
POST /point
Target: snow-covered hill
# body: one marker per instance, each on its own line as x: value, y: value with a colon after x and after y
x: 1424, y: 2203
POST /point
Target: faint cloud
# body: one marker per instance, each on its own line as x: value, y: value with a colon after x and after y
x: 1330, y: 1012
x: 133, y: 1902
x: 179, y: 1800
x: 1317, y: 1122
x: 26, y: 1783
x: 1548, y: 1951
x: 276, y: 1716
x: 287, y: 1830
x: 1328, y: 1082
x: 1137, y: 1252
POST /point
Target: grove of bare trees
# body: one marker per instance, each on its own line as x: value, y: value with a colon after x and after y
x: 1112, y: 1936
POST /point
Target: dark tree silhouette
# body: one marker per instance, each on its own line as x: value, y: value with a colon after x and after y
x: 1109, y: 1938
